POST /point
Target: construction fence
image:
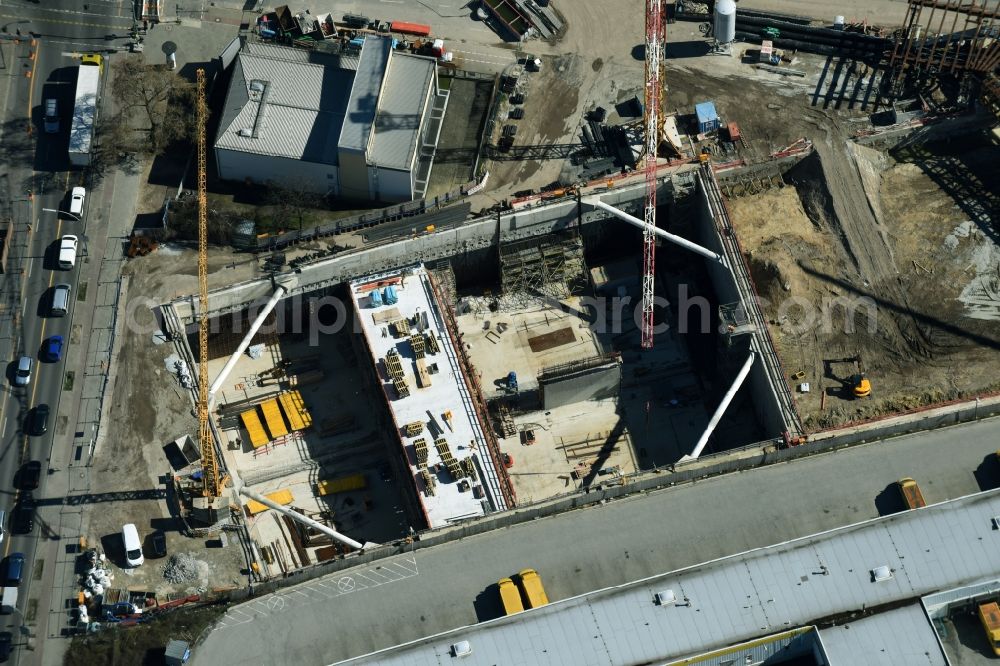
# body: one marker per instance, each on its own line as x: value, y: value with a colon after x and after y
x: 410, y: 209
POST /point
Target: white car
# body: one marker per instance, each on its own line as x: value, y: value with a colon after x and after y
x: 133, y: 545
x: 76, y: 200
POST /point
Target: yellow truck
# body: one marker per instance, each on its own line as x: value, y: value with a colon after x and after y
x: 989, y: 615
x: 912, y: 497
x: 532, y: 589
x: 510, y: 597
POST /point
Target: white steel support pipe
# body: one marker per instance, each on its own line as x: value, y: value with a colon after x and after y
x: 278, y: 293
x: 305, y: 520
x: 717, y: 416
x: 631, y: 219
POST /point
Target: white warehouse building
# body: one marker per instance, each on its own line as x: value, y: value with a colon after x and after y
x: 358, y: 127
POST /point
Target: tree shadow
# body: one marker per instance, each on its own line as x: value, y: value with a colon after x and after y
x: 988, y: 472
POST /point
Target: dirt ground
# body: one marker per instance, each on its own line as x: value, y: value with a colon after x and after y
x: 131, y: 459
x: 924, y: 328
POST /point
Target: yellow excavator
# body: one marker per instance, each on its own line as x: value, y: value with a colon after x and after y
x: 861, y: 386
x: 858, y: 383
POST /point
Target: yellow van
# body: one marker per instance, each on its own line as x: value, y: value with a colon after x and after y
x: 509, y: 597
x: 912, y: 497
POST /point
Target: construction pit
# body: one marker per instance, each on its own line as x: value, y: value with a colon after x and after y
x: 913, y: 303
x: 809, y: 238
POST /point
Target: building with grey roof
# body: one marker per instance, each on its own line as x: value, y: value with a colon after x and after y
x: 361, y: 127
x: 877, y: 592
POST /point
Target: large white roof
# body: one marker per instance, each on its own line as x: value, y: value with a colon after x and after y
x: 754, y: 594
x: 448, y: 392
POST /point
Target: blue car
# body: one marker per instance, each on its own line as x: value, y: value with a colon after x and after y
x: 53, y: 349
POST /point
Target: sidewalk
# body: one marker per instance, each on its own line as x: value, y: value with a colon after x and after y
x: 97, y: 322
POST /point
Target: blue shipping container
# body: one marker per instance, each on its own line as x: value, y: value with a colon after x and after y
x: 389, y: 295
x: 708, y: 119
x: 375, y: 297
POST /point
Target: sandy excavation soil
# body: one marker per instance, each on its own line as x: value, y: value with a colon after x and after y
x: 922, y: 285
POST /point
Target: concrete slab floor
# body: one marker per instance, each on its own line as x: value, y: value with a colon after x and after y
x: 300, y: 460
x: 589, y: 434
x: 495, y: 353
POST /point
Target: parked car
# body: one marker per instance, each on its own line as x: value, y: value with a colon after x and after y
x: 31, y: 474
x: 53, y: 348
x: 22, y: 377
x: 24, y: 514
x: 76, y: 200
x: 38, y: 420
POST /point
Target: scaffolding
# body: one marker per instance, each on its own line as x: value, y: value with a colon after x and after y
x: 944, y: 37
x: 535, y: 271
x: 444, y: 276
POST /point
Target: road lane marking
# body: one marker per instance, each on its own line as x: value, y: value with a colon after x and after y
x: 317, y: 591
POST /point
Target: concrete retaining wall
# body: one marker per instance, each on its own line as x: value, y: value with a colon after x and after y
x: 478, y: 234
x: 597, y: 383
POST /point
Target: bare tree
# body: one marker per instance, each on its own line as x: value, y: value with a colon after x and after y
x: 290, y: 203
x: 154, y: 106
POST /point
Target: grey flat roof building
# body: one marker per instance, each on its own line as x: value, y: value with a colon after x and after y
x: 352, y: 125
x: 825, y: 580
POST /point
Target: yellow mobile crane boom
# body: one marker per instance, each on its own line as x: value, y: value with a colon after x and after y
x: 209, y: 464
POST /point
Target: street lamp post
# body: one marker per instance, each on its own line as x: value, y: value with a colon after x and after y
x: 62, y: 212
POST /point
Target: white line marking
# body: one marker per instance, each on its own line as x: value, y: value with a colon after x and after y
x: 278, y: 602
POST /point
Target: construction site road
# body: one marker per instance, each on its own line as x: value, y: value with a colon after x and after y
x: 429, y: 591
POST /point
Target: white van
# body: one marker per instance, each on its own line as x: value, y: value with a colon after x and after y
x: 133, y: 545
x: 67, y: 252
x: 60, y: 300
x: 76, y: 200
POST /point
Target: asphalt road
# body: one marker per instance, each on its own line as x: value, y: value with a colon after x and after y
x: 429, y: 591
x: 37, y: 177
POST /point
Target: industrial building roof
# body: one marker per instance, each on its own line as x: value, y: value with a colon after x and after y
x: 807, y: 581
x: 307, y: 105
x: 286, y: 103
x: 363, y: 102
x: 898, y: 637
x: 397, y: 126
x: 448, y: 392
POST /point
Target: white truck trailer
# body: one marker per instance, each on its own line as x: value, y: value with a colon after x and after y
x: 81, y: 132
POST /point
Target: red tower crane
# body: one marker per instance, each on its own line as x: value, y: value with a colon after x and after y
x: 654, y: 54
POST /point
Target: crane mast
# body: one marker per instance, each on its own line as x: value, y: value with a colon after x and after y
x: 654, y: 53
x: 210, y: 466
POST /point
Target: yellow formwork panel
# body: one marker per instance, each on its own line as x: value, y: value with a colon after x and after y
x: 255, y: 429
x: 282, y: 497
x: 273, y: 418
x: 342, y: 485
x: 295, y: 410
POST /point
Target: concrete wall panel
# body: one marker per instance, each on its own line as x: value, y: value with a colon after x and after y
x: 598, y: 383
